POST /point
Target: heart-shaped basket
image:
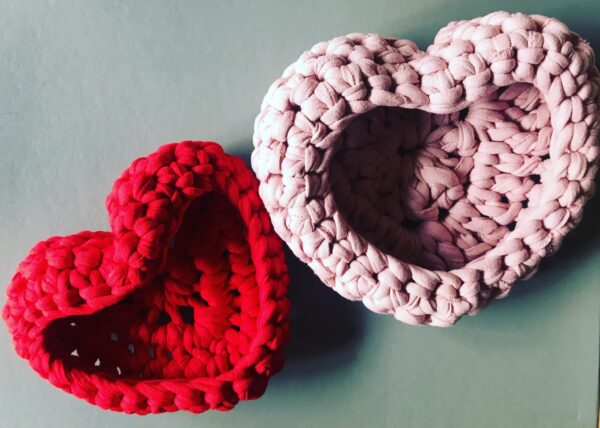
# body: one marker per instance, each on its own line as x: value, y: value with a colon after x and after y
x: 181, y: 307
x: 427, y: 183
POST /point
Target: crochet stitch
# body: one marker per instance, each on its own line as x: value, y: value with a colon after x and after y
x: 181, y: 307
x: 427, y: 183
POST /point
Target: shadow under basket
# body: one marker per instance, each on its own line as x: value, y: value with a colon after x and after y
x: 198, y: 318
x: 427, y: 183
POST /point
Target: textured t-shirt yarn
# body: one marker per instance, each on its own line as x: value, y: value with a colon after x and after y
x: 427, y: 183
x: 182, y: 306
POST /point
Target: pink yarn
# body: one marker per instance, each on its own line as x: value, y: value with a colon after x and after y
x: 426, y: 212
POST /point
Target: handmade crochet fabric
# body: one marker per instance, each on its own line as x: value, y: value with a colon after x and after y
x: 181, y: 307
x: 427, y: 183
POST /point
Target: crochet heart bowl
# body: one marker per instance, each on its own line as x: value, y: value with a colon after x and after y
x: 181, y: 307
x: 427, y: 183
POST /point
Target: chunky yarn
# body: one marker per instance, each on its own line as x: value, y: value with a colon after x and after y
x: 427, y: 183
x: 181, y: 307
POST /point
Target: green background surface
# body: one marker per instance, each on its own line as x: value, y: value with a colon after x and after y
x: 87, y: 86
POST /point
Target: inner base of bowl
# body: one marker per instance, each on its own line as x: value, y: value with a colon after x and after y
x: 196, y: 319
x: 441, y: 190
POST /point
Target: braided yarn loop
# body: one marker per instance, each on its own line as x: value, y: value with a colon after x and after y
x: 427, y: 183
x: 181, y: 307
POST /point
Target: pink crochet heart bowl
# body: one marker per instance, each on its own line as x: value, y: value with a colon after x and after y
x: 427, y: 183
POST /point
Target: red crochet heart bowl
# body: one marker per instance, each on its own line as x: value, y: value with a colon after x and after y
x: 181, y: 307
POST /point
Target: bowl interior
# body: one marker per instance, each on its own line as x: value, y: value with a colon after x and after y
x: 440, y: 190
x: 197, y: 318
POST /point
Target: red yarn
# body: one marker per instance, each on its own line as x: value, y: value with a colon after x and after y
x: 182, y: 307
